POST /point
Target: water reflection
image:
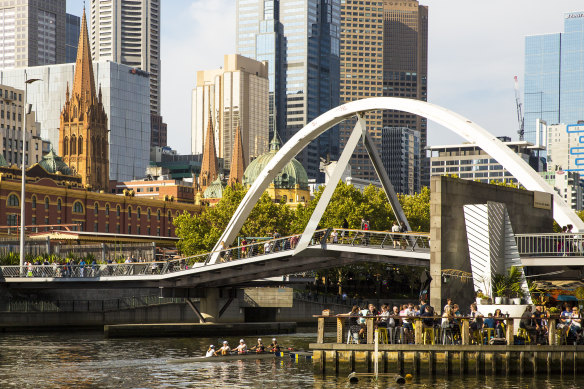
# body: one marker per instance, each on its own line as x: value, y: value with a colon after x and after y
x: 87, y: 360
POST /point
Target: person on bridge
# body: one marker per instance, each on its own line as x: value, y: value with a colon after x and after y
x: 395, y: 237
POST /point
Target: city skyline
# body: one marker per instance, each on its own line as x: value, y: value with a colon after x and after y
x: 477, y: 83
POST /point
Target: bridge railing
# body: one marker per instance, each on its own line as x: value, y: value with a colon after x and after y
x: 380, y: 239
x: 550, y: 245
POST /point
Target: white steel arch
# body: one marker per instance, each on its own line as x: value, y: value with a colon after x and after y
x: 460, y: 125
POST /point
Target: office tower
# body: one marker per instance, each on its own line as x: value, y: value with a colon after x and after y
x: 32, y: 32
x: 83, y: 134
x: 401, y: 158
x: 384, y: 52
x: 128, y: 32
x: 300, y: 41
x: 72, y: 32
x: 11, y: 115
x: 236, y: 95
x: 129, y: 128
x: 158, y: 134
x: 554, y: 77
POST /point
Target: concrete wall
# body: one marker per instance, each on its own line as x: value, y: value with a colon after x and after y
x: 449, y: 248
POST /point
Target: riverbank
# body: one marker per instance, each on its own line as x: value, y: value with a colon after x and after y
x: 196, y: 329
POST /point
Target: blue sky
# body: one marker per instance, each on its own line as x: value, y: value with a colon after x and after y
x: 475, y: 50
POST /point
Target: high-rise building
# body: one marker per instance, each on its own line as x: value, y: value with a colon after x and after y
x: 384, y: 52
x: 300, y: 41
x: 121, y: 86
x: 235, y: 95
x: 554, y: 77
x: 32, y: 32
x: 11, y: 121
x: 72, y: 31
x: 401, y: 158
x: 128, y: 32
x: 83, y: 134
x: 158, y: 134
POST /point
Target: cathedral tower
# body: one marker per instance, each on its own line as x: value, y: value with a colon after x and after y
x: 209, y: 165
x: 83, y: 135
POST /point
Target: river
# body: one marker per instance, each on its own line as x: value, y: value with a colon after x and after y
x: 79, y: 359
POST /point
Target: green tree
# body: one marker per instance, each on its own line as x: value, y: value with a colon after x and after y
x: 417, y: 209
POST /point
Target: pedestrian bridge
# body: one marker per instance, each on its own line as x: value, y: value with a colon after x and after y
x: 236, y: 265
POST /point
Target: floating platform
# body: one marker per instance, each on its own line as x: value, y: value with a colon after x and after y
x: 197, y: 329
x: 449, y: 359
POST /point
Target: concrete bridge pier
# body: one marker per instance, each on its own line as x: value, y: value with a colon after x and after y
x: 209, y: 305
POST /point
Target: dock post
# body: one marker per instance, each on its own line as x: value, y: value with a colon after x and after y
x: 400, y: 362
x: 463, y: 362
x: 549, y: 361
x: 416, y: 363
x: 552, y: 338
x: 448, y: 361
x: 507, y: 363
x: 369, y: 330
x: 385, y: 362
x: 493, y: 363
x: 464, y: 333
x: 352, y: 360
x: 418, y: 331
x: 510, y: 332
x: 337, y: 367
x: 535, y: 363
x: 320, y: 331
x: 521, y: 363
x: 323, y: 361
x: 340, y: 329
x: 432, y: 362
x: 562, y: 357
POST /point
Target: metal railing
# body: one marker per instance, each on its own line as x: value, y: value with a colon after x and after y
x: 87, y: 305
x: 550, y: 245
x: 380, y: 239
x: 370, y: 239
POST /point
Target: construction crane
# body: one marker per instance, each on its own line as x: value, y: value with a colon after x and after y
x: 520, y: 118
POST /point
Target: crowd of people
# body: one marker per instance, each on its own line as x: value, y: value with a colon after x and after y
x: 242, y: 348
x: 483, y: 329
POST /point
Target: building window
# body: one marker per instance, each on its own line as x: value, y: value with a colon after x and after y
x: 107, y: 227
x: 59, y: 205
x: 46, y: 203
x: 138, y: 213
x: 149, y: 214
x: 169, y: 216
x: 12, y: 220
x: 33, y: 220
x: 158, y: 217
x: 33, y: 200
x: 138, y: 230
x: 129, y: 229
x: 13, y: 201
x: 157, y: 231
x: 95, y: 227
x: 149, y: 231
x: 78, y: 207
x: 118, y: 210
x: 129, y: 212
x: 118, y: 228
x: 96, y: 210
x: 168, y: 231
x: 107, y: 210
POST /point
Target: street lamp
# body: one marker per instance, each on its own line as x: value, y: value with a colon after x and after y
x: 26, y: 110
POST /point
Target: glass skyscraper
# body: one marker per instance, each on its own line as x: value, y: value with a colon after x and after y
x: 300, y: 40
x: 554, y: 76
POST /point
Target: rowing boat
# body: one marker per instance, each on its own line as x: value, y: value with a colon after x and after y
x: 231, y: 357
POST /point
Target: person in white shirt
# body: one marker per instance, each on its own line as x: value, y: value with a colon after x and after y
x: 242, y: 348
x: 224, y: 350
x: 211, y: 351
x: 396, y: 238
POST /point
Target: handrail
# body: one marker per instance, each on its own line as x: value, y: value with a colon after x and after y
x: 550, y: 244
x: 321, y: 238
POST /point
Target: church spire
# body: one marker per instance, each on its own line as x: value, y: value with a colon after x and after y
x: 209, y: 165
x: 83, y: 82
x: 237, y: 161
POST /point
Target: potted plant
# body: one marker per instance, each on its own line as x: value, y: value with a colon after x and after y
x: 554, y: 313
x: 482, y: 298
x: 515, y: 285
x: 500, y: 288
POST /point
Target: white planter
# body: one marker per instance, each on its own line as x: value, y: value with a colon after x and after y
x: 478, y: 300
x: 516, y: 301
x: 498, y: 300
x: 505, y: 300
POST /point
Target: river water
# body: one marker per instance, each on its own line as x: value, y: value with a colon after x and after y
x: 87, y: 360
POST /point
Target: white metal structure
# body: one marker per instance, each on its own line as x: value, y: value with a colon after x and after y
x: 460, y: 125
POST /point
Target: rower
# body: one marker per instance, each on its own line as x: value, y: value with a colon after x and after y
x: 211, y: 351
x: 242, y: 348
x: 274, y: 346
x: 225, y: 349
x: 259, y: 348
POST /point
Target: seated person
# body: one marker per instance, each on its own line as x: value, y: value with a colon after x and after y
x: 274, y: 346
x: 383, y: 321
x: 259, y: 348
x: 476, y: 322
x: 211, y: 351
x: 489, y: 322
x: 242, y: 348
x: 526, y: 322
x: 224, y: 350
x: 428, y: 319
x: 576, y: 324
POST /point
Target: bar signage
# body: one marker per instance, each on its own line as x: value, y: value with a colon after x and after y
x: 542, y: 200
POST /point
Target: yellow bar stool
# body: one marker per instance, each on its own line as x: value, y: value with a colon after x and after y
x: 522, y: 333
x: 490, y: 332
x: 428, y: 331
x: 383, y: 335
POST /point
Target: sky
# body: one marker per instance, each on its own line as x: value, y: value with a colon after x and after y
x: 475, y: 50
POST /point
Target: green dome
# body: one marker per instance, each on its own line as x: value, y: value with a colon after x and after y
x: 215, y: 190
x: 293, y: 173
x: 52, y: 163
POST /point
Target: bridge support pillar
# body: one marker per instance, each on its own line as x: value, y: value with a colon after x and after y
x: 209, y: 306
